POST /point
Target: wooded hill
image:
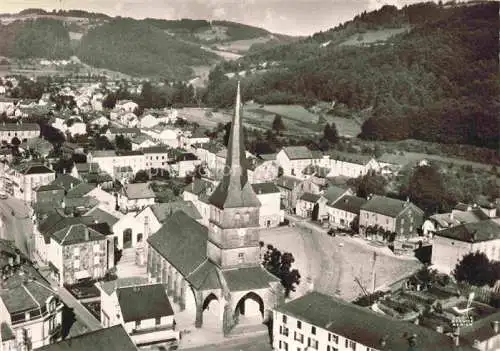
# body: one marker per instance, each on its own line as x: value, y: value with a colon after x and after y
x: 438, y: 81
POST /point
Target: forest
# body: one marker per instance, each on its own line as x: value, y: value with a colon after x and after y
x: 437, y: 82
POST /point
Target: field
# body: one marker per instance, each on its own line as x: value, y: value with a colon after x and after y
x: 242, y: 45
x: 373, y: 36
x: 226, y: 55
x: 332, y: 268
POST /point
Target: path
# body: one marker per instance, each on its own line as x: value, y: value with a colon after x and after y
x: 249, y: 343
x: 82, y: 314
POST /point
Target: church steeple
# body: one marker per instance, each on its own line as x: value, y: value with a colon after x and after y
x: 234, y: 190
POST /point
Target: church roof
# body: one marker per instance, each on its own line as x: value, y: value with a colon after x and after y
x: 234, y: 190
x: 250, y: 278
x: 182, y: 241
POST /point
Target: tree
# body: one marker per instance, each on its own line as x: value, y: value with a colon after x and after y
x: 109, y: 101
x: 278, y: 125
x: 123, y: 143
x: 141, y: 176
x: 15, y: 141
x: 476, y: 269
x: 280, y: 265
x: 330, y: 133
x: 102, y: 143
x: 370, y: 184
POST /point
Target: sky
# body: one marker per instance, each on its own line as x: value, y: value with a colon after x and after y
x: 294, y: 17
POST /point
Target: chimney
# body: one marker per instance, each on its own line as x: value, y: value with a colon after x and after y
x: 87, y: 236
x: 496, y: 326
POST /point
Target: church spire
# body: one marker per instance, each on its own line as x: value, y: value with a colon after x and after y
x: 234, y: 189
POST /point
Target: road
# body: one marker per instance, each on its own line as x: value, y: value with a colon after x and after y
x: 17, y: 227
x: 82, y: 314
x: 250, y: 343
x: 332, y: 263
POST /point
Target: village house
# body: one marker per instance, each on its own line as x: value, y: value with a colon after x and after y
x: 21, y: 181
x: 81, y: 171
x: 345, y: 211
x: 31, y: 310
x: 321, y: 322
x: 109, y: 159
x: 400, y: 217
x: 142, y: 141
x: 262, y: 171
x: 166, y: 136
x: 351, y: 165
x: 50, y: 195
x: 22, y: 131
x: 441, y: 221
x: 451, y: 245
x: 293, y: 159
x: 69, y: 149
x: 290, y: 190
x: 135, y: 197
x: 148, y: 121
x: 109, y: 339
x: 128, y: 119
x: 113, y: 132
x: 66, y: 181
x: 73, y: 125
x: 143, y: 309
x: 99, y: 122
x: 78, y: 252
x: 308, y: 205
x: 198, y: 192
x: 188, y: 139
x: 7, y: 105
x: 125, y: 106
x: 184, y: 164
x: 332, y: 194
x: 157, y: 157
x: 270, y: 214
x: 123, y: 174
x: 207, y: 153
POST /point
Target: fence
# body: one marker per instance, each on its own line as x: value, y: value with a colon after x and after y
x: 484, y: 294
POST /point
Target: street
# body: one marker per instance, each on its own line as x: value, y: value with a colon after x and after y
x: 17, y: 227
x: 250, y: 343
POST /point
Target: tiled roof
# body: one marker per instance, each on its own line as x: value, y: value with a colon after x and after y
x: 186, y: 156
x: 114, y: 130
x: 80, y: 190
x: 6, y: 332
x: 75, y: 234
x: 265, y: 188
x: 205, y: 277
x: 333, y: 193
x: 138, y: 191
x: 386, y: 206
x: 287, y: 182
x: 49, y: 187
x: 84, y: 201
x: 308, y: 197
x: 66, y: 181
x: 350, y: 158
x: 87, y: 167
x: 32, y: 168
x: 102, y: 216
x: 198, y: 186
x: 473, y: 232
x: 364, y: 326
x: 103, y: 153
x: 144, y: 302
x: 163, y: 210
x: 129, y: 153
x: 109, y: 286
x: 349, y: 203
x: 251, y: 278
x: 161, y: 149
x: 182, y: 241
x: 268, y: 157
x: 298, y: 152
x: 109, y: 339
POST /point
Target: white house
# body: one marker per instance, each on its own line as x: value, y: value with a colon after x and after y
x: 73, y: 125
x: 21, y: 180
x: 20, y: 130
x: 320, y: 322
x: 344, y: 211
x: 351, y: 165
x: 148, y: 121
x: 100, y: 122
x: 270, y: 213
x: 135, y: 197
x: 143, y: 310
x: 294, y: 159
x: 167, y: 136
x: 157, y: 156
x: 126, y: 106
x: 185, y: 163
x: 109, y: 160
x: 450, y: 245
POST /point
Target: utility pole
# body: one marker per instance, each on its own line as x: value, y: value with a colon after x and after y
x: 373, y: 271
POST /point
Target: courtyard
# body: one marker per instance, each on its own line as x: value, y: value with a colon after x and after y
x: 332, y: 265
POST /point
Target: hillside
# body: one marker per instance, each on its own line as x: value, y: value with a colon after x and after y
x: 149, y: 47
x: 434, y: 78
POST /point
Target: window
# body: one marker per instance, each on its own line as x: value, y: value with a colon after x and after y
x: 158, y: 321
x: 76, y: 264
x: 402, y: 221
x: 284, y: 319
x: 137, y: 324
x: 331, y: 348
x: 284, y: 330
x: 298, y: 337
x: 333, y: 338
x: 312, y: 343
x: 350, y: 345
x: 76, y: 251
x: 313, y: 330
x: 299, y: 324
x: 241, y: 257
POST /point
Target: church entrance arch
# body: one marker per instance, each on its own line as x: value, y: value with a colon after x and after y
x: 250, y: 305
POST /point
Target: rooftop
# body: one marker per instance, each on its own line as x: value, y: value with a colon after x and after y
x: 32, y: 168
x: 363, y: 326
x: 163, y: 210
x: 138, y: 191
x: 350, y: 158
x: 109, y: 339
x: 19, y: 127
x: 76, y: 234
x: 473, y: 232
x: 387, y: 206
x: 333, y: 193
x: 142, y: 302
x: 80, y: 190
x: 66, y: 181
x: 308, y: 197
x: 298, y: 152
x: 101, y: 216
x: 349, y: 203
x: 265, y: 188
x: 109, y: 286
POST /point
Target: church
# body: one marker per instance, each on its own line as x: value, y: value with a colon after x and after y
x: 215, y: 272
